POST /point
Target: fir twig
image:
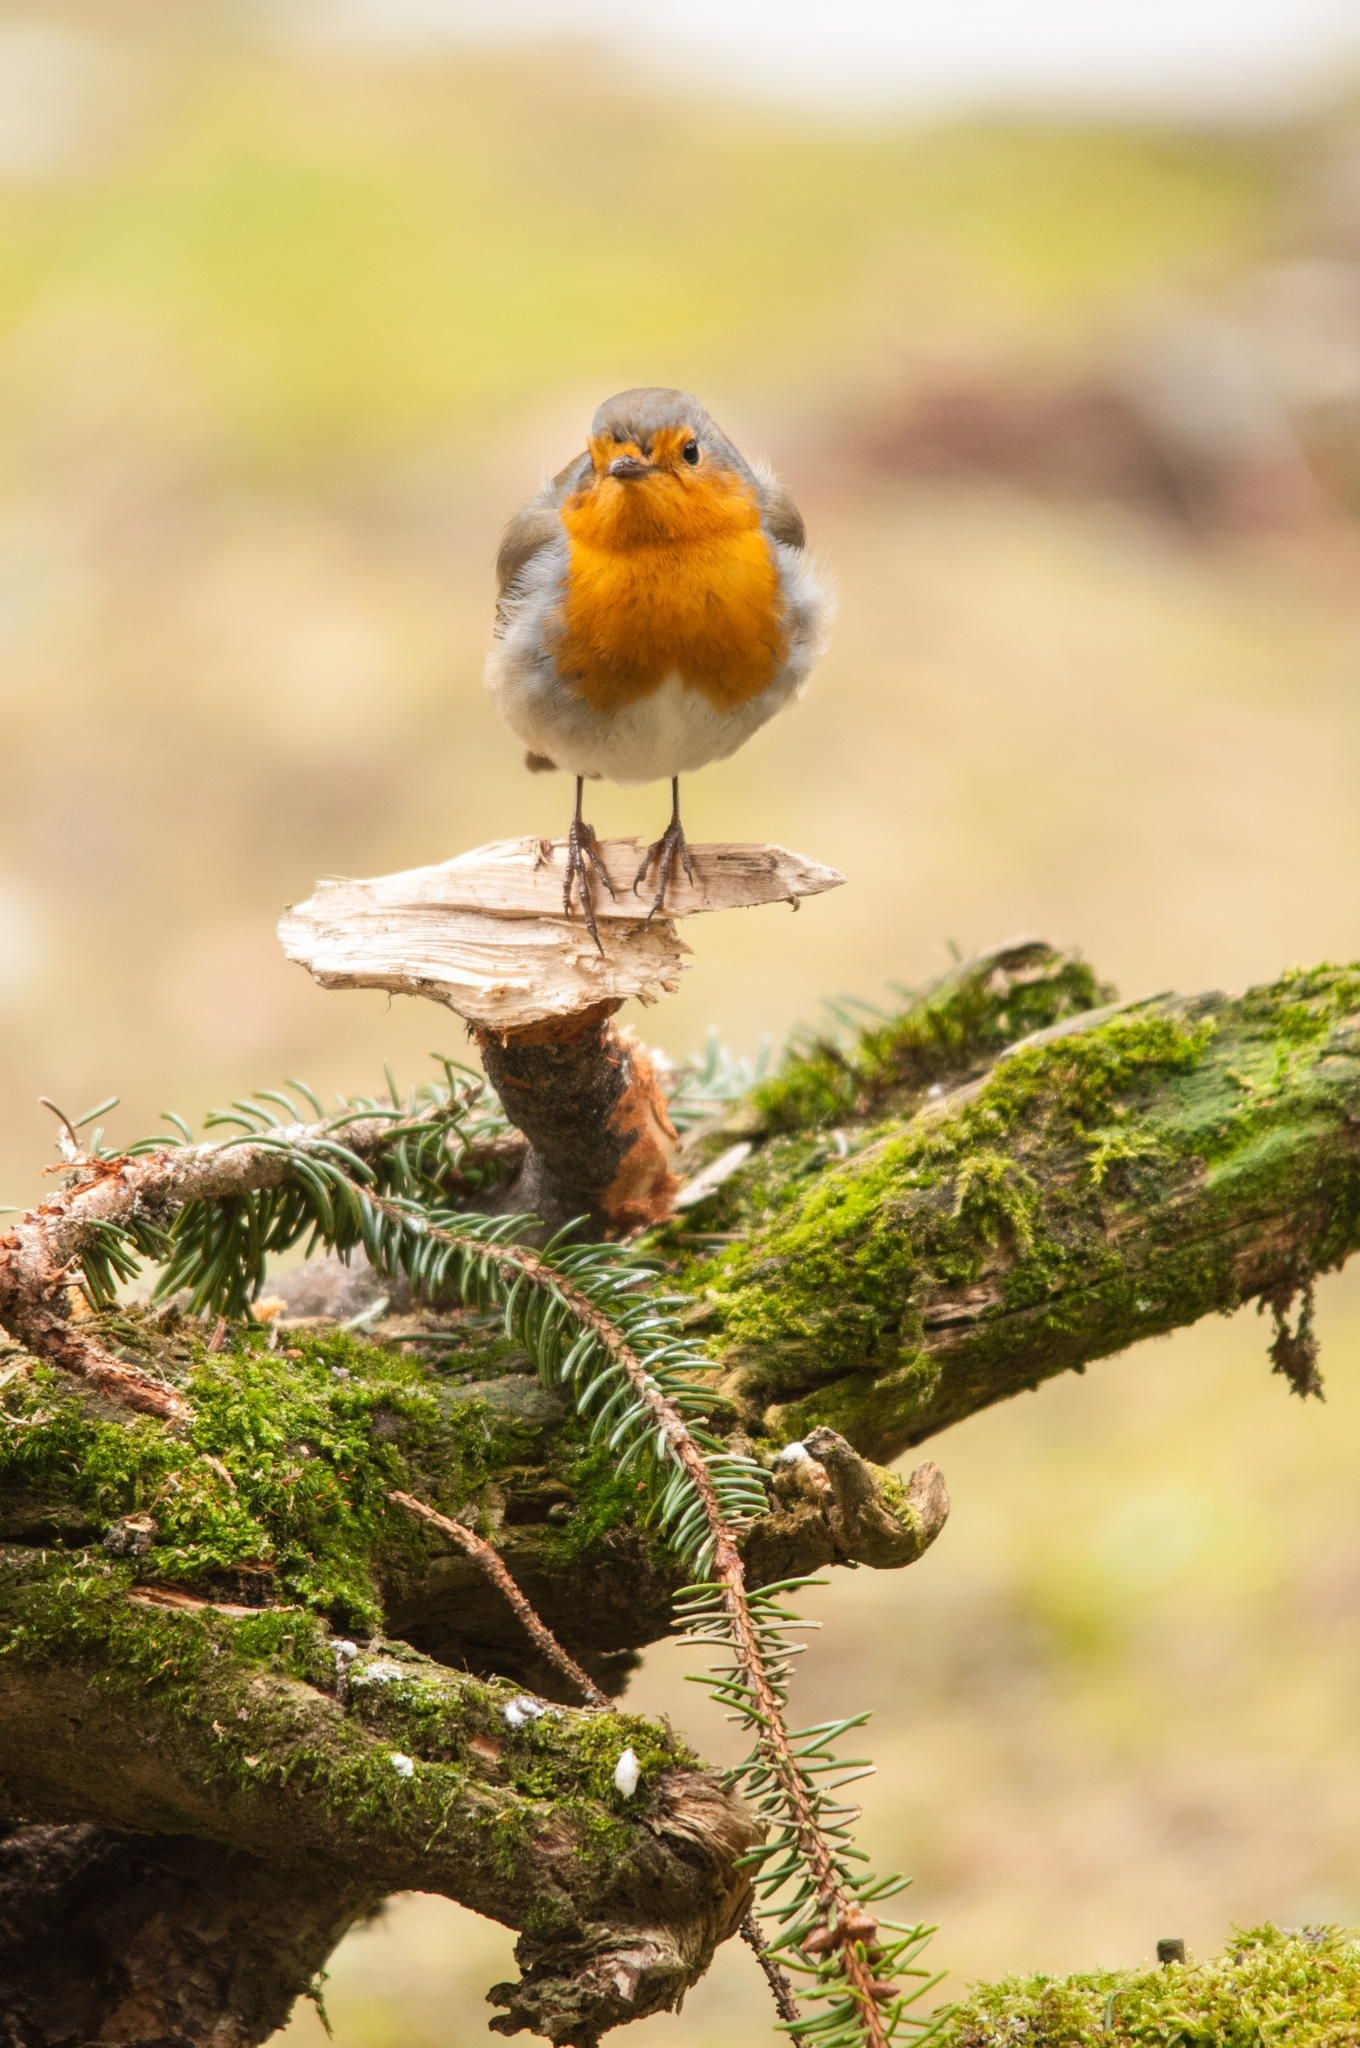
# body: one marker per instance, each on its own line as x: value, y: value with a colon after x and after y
x: 211, y: 1214
x: 644, y: 1405
x: 781, y: 1990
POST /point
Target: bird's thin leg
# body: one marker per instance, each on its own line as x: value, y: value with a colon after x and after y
x: 583, y: 847
x: 663, y: 853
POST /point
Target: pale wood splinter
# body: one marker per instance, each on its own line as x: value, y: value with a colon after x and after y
x: 487, y: 935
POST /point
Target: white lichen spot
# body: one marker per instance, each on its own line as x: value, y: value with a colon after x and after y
x: 402, y: 1765
x: 521, y: 1711
x: 381, y: 1672
x: 794, y: 1454
x: 343, y: 1654
x: 627, y: 1774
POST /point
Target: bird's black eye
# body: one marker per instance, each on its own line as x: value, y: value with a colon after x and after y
x: 690, y: 451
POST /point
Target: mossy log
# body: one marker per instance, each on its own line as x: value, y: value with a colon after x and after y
x: 218, y: 1633
x: 1297, y: 1989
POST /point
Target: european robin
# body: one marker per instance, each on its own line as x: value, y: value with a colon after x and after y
x: 656, y: 605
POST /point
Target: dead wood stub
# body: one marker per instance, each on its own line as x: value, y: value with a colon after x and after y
x: 586, y: 1096
x: 487, y: 935
x: 147, y: 1940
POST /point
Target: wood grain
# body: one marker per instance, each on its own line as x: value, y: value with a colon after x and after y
x: 486, y: 933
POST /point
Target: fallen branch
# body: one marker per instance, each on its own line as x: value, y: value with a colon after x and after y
x: 301, y: 1750
x: 1008, y: 1178
x: 992, y: 1221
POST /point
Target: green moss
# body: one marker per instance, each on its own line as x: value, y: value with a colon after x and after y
x: 603, y: 1501
x: 1289, y: 1990
x: 838, y: 1273
x: 304, y: 1727
x: 1112, y: 1149
x: 278, y: 1488
x: 945, y: 1033
x: 1305, y: 1001
x: 534, y: 1763
x: 931, y: 1206
x: 1078, y: 1080
x: 996, y: 1198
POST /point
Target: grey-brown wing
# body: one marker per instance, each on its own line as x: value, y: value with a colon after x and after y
x: 783, y: 520
x: 535, y: 526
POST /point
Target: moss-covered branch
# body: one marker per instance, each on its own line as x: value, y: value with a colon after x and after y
x: 268, y: 1732
x: 50, y: 1245
x: 928, y: 1223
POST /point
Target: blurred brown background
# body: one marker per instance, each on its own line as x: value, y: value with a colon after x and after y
x: 1053, y: 322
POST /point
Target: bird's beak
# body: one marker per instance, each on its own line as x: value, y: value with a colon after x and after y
x: 625, y: 466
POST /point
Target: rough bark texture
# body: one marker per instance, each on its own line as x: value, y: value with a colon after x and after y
x: 213, y: 1620
x: 137, y: 1941
x: 586, y: 1096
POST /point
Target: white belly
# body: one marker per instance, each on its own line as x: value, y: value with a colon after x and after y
x: 671, y: 731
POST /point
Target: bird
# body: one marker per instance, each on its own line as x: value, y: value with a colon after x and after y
x: 656, y: 604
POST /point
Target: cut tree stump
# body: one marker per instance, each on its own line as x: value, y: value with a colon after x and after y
x: 487, y: 935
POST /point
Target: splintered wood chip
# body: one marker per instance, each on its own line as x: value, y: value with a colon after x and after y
x: 486, y: 933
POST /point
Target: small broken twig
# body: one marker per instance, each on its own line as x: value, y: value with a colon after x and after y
x: 489, y: 1559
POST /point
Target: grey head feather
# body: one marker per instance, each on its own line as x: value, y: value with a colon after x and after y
x: 639, y: 414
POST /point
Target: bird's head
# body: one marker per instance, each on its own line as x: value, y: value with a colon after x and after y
x: 660, y: 470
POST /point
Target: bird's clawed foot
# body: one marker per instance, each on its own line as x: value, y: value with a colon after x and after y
x: 662, y: 855
x: 583, y: 861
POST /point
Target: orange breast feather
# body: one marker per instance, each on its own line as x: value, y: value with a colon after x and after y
x: 675, y: 578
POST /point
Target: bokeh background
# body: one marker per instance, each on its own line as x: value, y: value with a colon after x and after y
x: 1051, y: 315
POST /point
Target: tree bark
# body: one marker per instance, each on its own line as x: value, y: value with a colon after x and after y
x: 137, y: 1941
x: 587, y: 1099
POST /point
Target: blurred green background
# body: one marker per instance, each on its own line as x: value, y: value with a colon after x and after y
x: 299, y: 301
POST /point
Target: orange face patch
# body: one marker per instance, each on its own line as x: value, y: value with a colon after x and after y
x: 670, y: 574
